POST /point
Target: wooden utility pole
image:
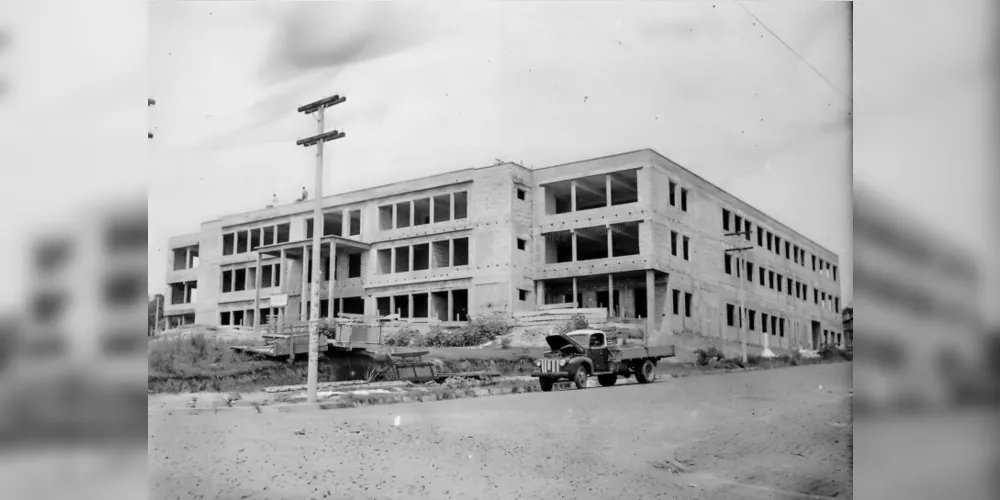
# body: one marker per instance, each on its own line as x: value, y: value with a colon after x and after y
x: 740, y: 274
x: 317, y: 140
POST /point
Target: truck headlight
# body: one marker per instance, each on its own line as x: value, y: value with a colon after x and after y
x: 562, y: 362
x: 538, y: 362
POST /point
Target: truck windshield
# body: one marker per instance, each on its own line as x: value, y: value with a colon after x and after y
x: 581, y: 338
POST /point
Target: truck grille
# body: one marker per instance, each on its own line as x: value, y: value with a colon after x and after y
x: 550, y: 365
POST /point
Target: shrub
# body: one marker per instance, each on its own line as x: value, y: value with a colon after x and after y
x: 401, y: 338
x: 830, y: 352
x: 476, y: 333
x: 575, y: 322
x: 505, y: 342
x: 706, y: 356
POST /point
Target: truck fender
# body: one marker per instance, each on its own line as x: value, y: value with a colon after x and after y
x: 575, y: 363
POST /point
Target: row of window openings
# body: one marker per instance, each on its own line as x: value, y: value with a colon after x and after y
x: 427, y: 305
x: 591, y: 192
x: 773, y: 242
x: 333, y: 224
x: 237, y: 280
x: 598, y: 242
x: 432, y: 255
x: 734, y: 317
x: 686, y: 245
x: 677, y: 303
x: 186, y: 258
x: 833, y: 337
x: 774, y: 281
x: 441, y: 208
x: 247, y: 240
x: 184, y: 293
x: 673, y: 196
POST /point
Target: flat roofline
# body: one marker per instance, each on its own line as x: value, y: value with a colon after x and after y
x: 778, y: 224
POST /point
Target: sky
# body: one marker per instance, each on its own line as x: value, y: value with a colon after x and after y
x: 437, y: 88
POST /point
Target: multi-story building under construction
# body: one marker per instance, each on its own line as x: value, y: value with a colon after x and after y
x: 634, y: 233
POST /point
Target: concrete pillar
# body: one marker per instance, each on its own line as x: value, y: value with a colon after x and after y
x: 539, y: 293
x: 332, y: 277
x: 650, y: 303
x: 413, y: 216
x: 666, y: 319
x: 345, y: 223
x: 341, y: 302
x: 256, y: 297
x: 572, y: 196
x: 611, y: 295
x: 392, y: 304
x: 410, y: 255
x: 451, y: 254
x: 395, y: 216
x: 409, y: 308
x: 572, y: 234
x: 451, y: 306
x: 607, y: 189
x: 303, y: 311
x: 284, y: 273
x: 610, y: 246
x: 452, y: 201
x: 431, y: 201
x: 574, y: 287
x: 392, y: 260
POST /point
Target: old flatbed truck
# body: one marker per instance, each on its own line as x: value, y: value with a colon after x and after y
x: 570, y: 360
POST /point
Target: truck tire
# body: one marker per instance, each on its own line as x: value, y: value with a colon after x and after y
x: 580, y: 377
x: 646, y: 372
x: 607, y: 380
x: 546, y: 383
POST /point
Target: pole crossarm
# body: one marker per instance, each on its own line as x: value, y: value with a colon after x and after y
x: 322, y: 103
x: 324, y: 137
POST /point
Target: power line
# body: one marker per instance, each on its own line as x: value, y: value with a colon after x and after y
x: 796, y: 54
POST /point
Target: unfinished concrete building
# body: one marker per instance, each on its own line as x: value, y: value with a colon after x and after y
x: 634, y: 233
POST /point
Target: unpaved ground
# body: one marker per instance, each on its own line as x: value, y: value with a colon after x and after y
x: 743, y: 436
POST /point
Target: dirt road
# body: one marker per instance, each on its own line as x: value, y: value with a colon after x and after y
x: 766, y: 434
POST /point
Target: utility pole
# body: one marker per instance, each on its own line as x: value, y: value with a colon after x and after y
x: 740, y: 275
x: 317, y: 140
x: 149, y: 103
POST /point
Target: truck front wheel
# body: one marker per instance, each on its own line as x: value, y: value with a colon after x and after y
x: 607, y: 380
x: 546, y: 384
x: 580, y: 377
x: 646, y: 372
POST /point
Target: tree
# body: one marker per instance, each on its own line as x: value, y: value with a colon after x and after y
x: 155, y: 302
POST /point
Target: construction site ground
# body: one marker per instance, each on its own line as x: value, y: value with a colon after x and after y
x: 744, y: 435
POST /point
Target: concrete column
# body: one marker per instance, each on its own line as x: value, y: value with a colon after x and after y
x: 256, y: 296
x: 431, y: 200
x: 413, y: 216
x: 187, y: 258
x: 611, y: 295
x: 451, y: 196
x: 284, y: 272
x: 451, y: 254
x: 392, y: 304
x: 610, y: 247
x: 395, y: 216
x: 572, y: 196
x: 607, y: 188
x: 392, y: 260
x: 665, y: 321
x: 574, y: 290
x: 332, y: 277
x: 341, y: 302
x: 431, y: 310
x: 410, y: 255
x: 451, y: 306
x: 303, y: 311
x: 345, y: 223
x: 409, y: 309
x: 650, y: 303
x: 539, y: 293
x: 572, y: 234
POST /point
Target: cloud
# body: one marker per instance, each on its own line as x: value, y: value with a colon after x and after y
x: 326, y: 35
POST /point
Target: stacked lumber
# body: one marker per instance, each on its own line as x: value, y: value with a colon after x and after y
x: 595, y: 316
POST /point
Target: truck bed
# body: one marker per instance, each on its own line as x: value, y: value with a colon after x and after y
x: 631, y: 353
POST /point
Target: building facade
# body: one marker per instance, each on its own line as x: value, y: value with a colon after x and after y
x: 634, y: 233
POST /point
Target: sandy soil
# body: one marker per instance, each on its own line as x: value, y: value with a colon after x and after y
x: 751, y: 435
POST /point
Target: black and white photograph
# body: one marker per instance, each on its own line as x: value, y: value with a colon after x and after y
x: 567, y: 250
